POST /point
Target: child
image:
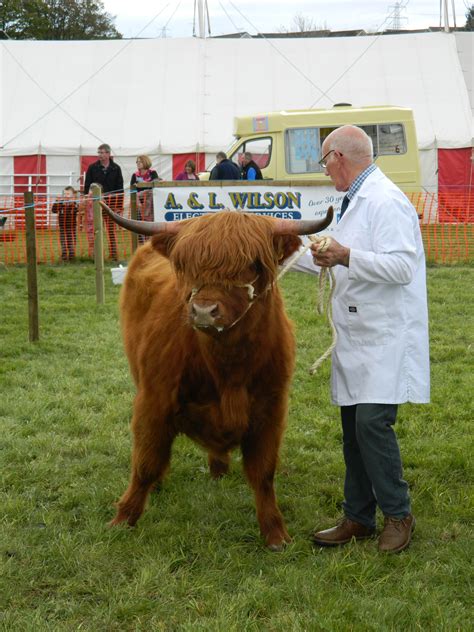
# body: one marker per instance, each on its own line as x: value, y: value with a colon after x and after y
x: 67, y: 208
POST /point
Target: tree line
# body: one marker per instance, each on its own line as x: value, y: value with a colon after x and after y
x: 88, y: 19
x: 56, y: 20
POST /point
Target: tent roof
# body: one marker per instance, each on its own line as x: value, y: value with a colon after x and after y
x: 181, y: 95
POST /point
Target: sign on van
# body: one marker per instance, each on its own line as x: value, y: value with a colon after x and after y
x: 282, y: 202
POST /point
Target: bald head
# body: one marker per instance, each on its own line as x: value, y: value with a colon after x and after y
x: 352, y: 142
x: 347, y: 152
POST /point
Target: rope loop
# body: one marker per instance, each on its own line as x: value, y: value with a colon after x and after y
x: 326, y: 276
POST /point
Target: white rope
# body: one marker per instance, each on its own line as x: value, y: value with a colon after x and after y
x: 293, y: 260
x: 323, y: 244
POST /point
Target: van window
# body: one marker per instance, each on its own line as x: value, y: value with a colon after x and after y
x: 303, y: 145
x: 392, y: 139
x: 260, y: 148
x: 388, y: 139
x: 302, y: 150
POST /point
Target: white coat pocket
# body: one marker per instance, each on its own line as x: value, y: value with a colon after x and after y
x: 368, y: 323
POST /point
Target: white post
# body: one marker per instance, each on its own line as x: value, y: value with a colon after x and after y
x: 454, y: 13
x: 201, y: 19
x: 446, y: 18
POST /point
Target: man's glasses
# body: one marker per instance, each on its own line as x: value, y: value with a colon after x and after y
x: 323, y: 162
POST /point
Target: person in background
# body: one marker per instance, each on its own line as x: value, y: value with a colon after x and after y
x: 66, y: 209
x: 381, y: 358
x: 224, y: 169
x: 189, y: 172
x: 109, y: 175
x: 250, y: 169
x: 144, y: 173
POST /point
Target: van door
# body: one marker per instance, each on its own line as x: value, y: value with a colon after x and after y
x: 262, y: 149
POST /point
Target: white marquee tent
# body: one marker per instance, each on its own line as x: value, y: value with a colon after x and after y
x: 167, y: 97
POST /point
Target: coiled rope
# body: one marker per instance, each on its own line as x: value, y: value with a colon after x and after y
x: 324, y: 278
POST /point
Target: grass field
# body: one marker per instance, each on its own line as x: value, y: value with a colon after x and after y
x: 195, y: 561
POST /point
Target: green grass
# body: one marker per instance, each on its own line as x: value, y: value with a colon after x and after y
x: 196, y: 561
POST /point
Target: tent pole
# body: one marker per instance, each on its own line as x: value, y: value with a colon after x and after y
x: 446, y: 18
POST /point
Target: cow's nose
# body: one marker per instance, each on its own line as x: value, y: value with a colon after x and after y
x: 204, y: 315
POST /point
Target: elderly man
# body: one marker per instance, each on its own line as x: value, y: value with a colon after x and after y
x: 381, y: 358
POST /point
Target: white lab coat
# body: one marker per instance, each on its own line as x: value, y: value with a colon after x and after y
x: 379, y: 303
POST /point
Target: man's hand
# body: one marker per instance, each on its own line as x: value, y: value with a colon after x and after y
x: 330, y: 254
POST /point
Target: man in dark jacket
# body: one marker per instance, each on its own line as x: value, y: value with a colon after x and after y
x: 225, y: 169
x: 109, y: 175
x: 250, y: 169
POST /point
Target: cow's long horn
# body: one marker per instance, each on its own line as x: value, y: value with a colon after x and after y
x: 142, y: 228
x: 303, y: 226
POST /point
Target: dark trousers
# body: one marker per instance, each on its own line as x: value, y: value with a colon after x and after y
x: 373, y: 463
x: 110, y: 228
x: 115, y: 203
x: 67, y: 236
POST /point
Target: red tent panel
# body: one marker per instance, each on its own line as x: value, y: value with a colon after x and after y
x: 85, y: 162
x: 456, y: 185
x: 179, y: 160
x: 29, y: 174
x: 30, y: 170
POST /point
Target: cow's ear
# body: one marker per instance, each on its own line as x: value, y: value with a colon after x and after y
x: 285, y: 246
x: 163, y: 243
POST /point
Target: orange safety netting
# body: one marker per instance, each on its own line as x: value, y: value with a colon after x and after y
x: 64, y: 229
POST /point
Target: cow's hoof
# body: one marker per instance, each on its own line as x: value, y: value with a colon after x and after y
x: 278, y: 542
x: 276, y: 548
x: 279, y: 545
x: 117, y: 520
x: 121, y: 517
x: 218, y: 469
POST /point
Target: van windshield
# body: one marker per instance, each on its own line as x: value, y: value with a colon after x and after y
x: 260, y: 148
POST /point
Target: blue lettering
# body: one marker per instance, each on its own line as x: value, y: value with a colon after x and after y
x: 176, y: 216
x: 280, y: 214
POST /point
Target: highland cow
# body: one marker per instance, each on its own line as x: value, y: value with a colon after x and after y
x: 211, y: 349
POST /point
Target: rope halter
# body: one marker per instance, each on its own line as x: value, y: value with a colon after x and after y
x: 251, y: 293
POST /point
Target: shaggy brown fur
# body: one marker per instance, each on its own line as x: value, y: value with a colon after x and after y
x: 224, y: 386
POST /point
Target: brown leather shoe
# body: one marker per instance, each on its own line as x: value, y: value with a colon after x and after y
x: 342, y: 533
x: 396, y: 534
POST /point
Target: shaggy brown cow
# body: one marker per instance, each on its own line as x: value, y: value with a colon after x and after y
x: 211, y: 349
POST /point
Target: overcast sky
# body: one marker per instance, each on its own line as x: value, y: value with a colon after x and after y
x: 174, y: 18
